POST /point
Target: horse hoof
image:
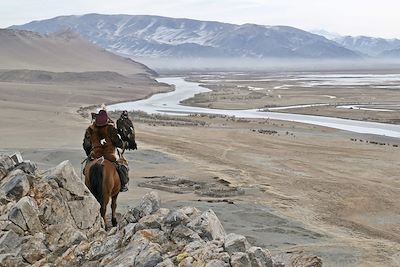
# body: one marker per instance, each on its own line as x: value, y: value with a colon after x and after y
x: 114, y: 222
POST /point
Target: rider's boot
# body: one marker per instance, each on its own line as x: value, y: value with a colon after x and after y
x: 123, y: 173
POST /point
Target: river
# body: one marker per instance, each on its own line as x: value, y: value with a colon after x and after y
x: 169, y: 104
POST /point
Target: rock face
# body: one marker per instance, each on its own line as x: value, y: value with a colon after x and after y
x: 51, y: 219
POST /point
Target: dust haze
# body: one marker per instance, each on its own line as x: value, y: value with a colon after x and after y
x: 166, y: 65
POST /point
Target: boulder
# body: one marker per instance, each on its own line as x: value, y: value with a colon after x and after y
x: 236, y: 243
x: 27, y: 166
x: 240, y: 259
x: 216, y: 263
x: 149, y: 257
x: 183, y: 235
x: 61, y: 235
x: 260, y: 257
x: 25, y: 215
x: 127, y: 255
x: 177, y: 217
x: 16, y: 185
x: 129, y: 230
x: 12, y: 260
x: 6, y: 164
x: 85, y: 212
x: 17, y: 158
x: 34, y: 248
x: 148, y: 204
x: 9, y: 242
x: 186, y: 262
x: 65, y: 177
x: 166, y: 263
x: 191, y: 212
x: 208, y: 252
x: 100, y: 249
x: 152, y: 221
x: 208, y: 226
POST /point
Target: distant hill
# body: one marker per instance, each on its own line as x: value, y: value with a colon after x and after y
x: 394, y: 54
x: 154, y: 36
x: 368, y: 45
x: 60, y: 52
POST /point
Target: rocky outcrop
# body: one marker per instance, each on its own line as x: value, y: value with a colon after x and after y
x: 51, y: 219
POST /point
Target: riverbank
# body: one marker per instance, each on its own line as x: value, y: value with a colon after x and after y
x: 171, y: 103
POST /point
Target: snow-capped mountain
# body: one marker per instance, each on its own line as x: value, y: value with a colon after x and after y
x: 371, y: 46
x: 156, y: 36
x: 365, y: 45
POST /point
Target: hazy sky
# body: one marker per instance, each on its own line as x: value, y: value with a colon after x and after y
x: 354, y: 17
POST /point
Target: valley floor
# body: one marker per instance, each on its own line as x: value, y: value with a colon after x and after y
x: 305, y: 188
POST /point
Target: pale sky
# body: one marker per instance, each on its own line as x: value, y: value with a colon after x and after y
x: 348, y: 17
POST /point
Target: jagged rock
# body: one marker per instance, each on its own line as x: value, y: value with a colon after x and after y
x: 65, y: 177
x: 191, y: 212
x: 11, y: 260
x: 208, y: 226
x: 129, y: 230
x: 9, y: 242
x: 15, y: 185
x: 305, y: 261
x: 166, y: 263
x: 6, y: 163
x: 177, y: 217
x: 186, y: 262
x: 149, y: 257
x: 25, y: 214
x: 182, y: 235
x: 61, y: 235
x: 127, y: 256
x: 34, y: 248
x: 193, y: 246
x: 236, y: 243
x: 101, y: 248
x: 148, y: 204
x: 260, y: 257
x: 208, y: 252
x: 7, y: 225
x: 85, y: 212
x: 217, y: 263
x: 27, y: 166
x: 17, y: 158
x: 240, y: 259
x: 152, y: 221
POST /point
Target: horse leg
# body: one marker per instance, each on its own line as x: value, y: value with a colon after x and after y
x: 103, y: 209
x: 113, y: 208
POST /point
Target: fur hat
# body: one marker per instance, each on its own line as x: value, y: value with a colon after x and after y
x: 101, y: 118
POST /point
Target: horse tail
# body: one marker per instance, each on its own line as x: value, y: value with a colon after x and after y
x: 96, y: 182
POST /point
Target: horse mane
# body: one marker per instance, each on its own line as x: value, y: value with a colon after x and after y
x: 96, y: 181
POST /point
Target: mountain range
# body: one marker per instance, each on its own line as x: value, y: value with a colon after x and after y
x: 155, y: 36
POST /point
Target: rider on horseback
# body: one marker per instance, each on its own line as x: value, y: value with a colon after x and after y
x: 101, y: 140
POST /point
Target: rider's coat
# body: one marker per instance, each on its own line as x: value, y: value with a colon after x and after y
x: 102, y: 141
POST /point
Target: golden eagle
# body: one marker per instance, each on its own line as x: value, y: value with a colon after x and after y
x: 126, y: 130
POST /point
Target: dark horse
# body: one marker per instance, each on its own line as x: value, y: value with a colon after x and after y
x: 102, y: 179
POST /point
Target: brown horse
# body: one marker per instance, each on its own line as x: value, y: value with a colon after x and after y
x: 102, y: 179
